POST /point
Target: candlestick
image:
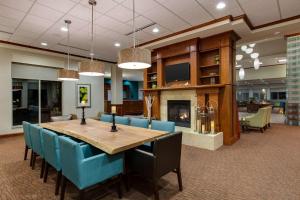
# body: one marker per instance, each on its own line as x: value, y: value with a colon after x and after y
x: 212, y: 126
x: 83, y: 122
x: 83, y: 103
x: 113, y: 109
x: 113, y: 127
x: 203, y: 128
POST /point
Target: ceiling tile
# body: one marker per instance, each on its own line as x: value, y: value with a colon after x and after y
x: 32, y: 34
x: 232, y: 8
x: 8, y: 22
x: 60, y: 5
x: 11, y: 13
x: 261, y: 12
x: 22, y: 5
x: 165, y: 18
x: 46, y: 12
x: 140, y: 22
x: 189, y: 10
x: 102, y: 6
x: 289, y: 8
x: 141, y: 6
x: 112, y: 24
x: 21, y: 39
x: 4, y: 36
x: 35, y: 21
x: 84, y: 12
x: 120, y: 13
x: 6, y: 29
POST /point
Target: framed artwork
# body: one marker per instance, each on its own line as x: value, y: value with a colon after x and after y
x: 83, y: 92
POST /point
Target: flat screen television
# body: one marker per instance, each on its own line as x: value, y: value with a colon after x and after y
x: 177, y: 72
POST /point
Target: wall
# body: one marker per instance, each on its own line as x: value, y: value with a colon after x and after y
x: 276, y: 71
x: 134, y: 87
x: 53, y: 62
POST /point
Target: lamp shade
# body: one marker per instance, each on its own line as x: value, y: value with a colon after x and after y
x: 68, y: 75
x: 91, y: 68
x: 134, y: 58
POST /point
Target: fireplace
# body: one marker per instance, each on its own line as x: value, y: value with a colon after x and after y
x: 179, y: 111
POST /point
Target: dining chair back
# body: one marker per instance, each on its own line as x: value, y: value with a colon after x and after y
x: 106, y: 118
x: 27, y: 139
x: 122, y: 120
x: 86, y: 166
x: 51, y: 148
x: 163, y: 126
x: 137, y: 122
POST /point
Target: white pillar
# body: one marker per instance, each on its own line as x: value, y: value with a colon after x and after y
x: 116, y: 85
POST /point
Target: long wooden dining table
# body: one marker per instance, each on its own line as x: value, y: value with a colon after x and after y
x: 98, y: 134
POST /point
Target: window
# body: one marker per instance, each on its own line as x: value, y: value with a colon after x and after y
x: 35, y: 101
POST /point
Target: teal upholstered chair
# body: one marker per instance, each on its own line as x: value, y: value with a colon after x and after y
x: 86, y: 166
x: 106, y: 118
x: 160, y: 126
x: 163, y: 126
x: 52, y: 155
x: 27, y: 140
x: 142, y: 123
x: 122, y: 120
x: 37, y: 145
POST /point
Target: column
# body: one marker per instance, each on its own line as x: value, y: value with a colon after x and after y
x: 117, y: 88
x: 293, y: 80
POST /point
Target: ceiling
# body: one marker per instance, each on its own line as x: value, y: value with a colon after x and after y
x: 31, y: 22
x: 271, y: 82
x: 270, y: 51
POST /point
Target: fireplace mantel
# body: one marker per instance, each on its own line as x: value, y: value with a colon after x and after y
x: 187, y: 87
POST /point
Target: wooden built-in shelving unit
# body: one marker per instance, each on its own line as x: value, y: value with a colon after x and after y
x: 212, y: 75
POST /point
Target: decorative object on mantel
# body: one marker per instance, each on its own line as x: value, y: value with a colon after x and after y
x: 217, y: 59
x: 135, y: 57
x: 211, y: 111
x: 68, y: 74
x: 113, y: 112
x: 205, y: 118
x: 92, y: 67
x: 149, y: 102
x: 83, y: 105
x: 83, y: 92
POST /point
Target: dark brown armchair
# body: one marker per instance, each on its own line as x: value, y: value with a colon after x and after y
x: 164, y: 159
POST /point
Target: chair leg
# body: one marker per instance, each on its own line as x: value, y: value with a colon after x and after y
x: 155, y: 190
x: 26, y: 152
x: 31, y: 157
x: 33, y: 160
x: 43, y: 168
x: 57, y: 184
x: 81, y: 195
x: 178, y: 171
x: 119, y: 188
x: 63, y: 188
x: 262, y: 130
x: 46, y: 172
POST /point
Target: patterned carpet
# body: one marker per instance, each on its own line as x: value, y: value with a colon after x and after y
x: 259, y: 166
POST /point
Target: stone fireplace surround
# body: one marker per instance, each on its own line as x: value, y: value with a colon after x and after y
x: 179, y: 95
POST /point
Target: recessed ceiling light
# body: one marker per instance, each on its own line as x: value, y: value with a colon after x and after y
x: 44, y: 44
x: 277, y: 33
x: 221, y: 5
x: 92, y: 54
x: 155, y: 30
x: 117, y: 44
x: 64, y: 29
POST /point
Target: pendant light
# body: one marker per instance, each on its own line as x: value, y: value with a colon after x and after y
x: 68, y: 74
x: 135, y: 57
x: 242, y: 73
x: 92, y: 67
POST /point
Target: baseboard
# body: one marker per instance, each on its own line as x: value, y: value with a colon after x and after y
x: 11, y: 135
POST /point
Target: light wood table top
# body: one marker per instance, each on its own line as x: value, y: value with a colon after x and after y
x: 98, y: 134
